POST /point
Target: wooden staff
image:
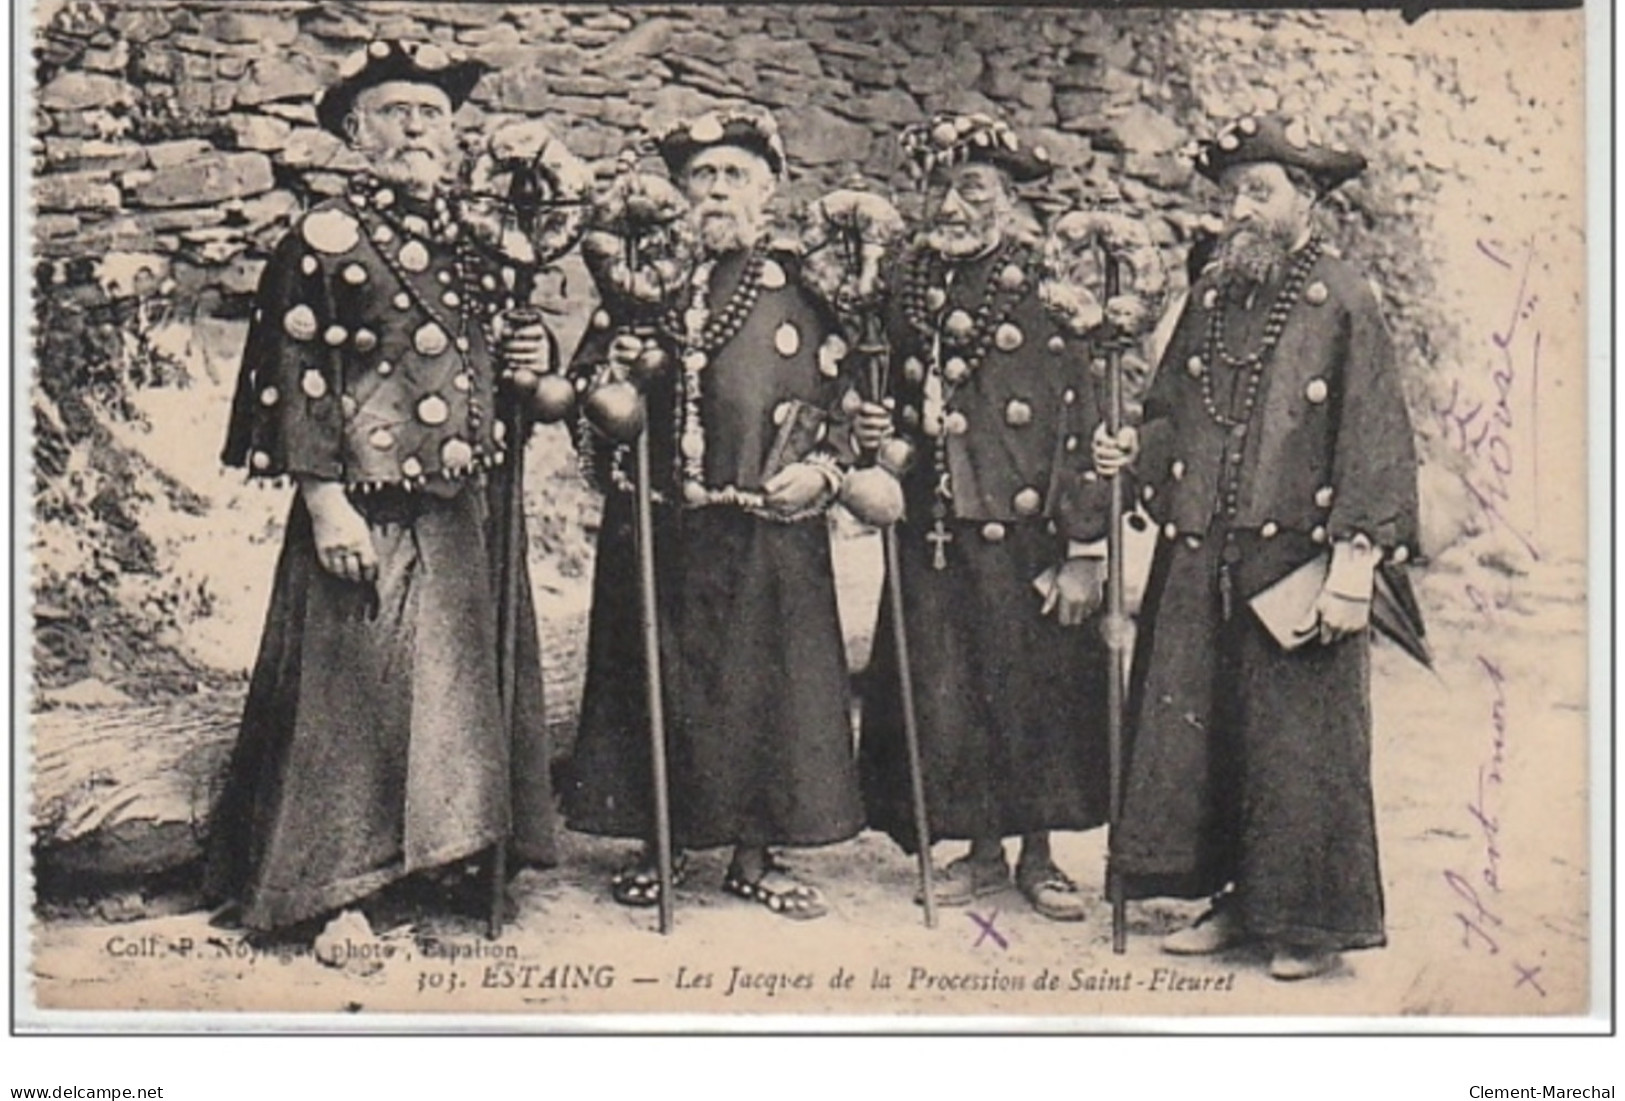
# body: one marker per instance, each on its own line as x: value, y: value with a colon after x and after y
x: 651, y: 659
x: 649, y: 605
x: 517, y: 421
x: 875, y: 347
x: 1115, y: 625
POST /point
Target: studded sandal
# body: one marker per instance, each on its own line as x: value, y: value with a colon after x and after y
x: 638, y: 884
x: 787, y: 897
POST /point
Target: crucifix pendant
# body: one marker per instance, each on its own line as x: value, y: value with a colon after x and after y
x: 939, y: 537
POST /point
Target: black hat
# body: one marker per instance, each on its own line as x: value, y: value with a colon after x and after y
x: 1258, y: 138
x: 961, y: 139
x: 749, y: 128
x: 385, y: 60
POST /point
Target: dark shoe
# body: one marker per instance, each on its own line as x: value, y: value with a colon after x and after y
x: 638, y: 884
x: 965, y: 880
x: 1214, y: 931
x: 778, y: 890
x: 1052, y: 893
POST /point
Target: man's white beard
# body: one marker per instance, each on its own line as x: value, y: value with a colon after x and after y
x: 962, y: 241
x: 417, y: 170
x: 722, y: 229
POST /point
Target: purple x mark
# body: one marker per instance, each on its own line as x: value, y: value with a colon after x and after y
x: 987, y: 930
x: 1527, y: 975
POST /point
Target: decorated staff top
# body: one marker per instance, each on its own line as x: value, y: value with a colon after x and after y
x: 844, y: 239
x: 745, y: 127
x: 386, y: 60
x: 1287, y: 141
x: 637, y: 245
x: 524, y: 195
x: 949, y: 140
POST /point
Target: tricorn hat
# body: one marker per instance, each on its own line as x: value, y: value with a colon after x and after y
x: 1257, y: 138
x: 750, y: 128
x: 961, y: 139
x: 385, y: 60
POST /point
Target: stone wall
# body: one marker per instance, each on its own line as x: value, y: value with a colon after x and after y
x: 186, y: 132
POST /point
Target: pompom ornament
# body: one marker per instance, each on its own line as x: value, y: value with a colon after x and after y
x: 552, y: 398
x: 615, y: 409
x: 874, y: 495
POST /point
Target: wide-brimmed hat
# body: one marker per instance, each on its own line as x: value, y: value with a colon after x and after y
x: 749, y: 128
x: 1287, y: 141
x: 385, y: 60
x: 963, y: 139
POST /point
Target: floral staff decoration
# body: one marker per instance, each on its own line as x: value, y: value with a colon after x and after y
x: 844, y: 241
x: 638, y: 249
x: 1072, y: 286
x: 523, y: 199
x: 1073, y: 274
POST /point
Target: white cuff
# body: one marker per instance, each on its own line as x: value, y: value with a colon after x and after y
x: 1076, y: 548
x: 1353, y: 563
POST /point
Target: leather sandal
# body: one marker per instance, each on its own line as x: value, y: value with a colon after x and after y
x: 1051, y: 892
x: 961, y: 882
x: 777, y: 890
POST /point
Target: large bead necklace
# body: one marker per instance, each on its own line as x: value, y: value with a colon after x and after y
x: 700, y: 334
x: 1217, y: 350
x: 969, y: 336
x: 1009, y: 277
x: 695, y: 328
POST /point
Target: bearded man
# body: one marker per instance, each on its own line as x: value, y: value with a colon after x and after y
x: 753, y: 660
x: 1002, y: 563
x: 374, y: 743
x: 1275, y: 448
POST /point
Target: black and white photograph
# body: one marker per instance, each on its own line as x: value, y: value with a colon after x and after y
x: 558, y: 517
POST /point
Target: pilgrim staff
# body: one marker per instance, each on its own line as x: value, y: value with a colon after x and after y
x: 845, y: 241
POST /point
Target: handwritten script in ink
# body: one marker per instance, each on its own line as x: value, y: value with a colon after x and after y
x: 1490, y: 422
x: 1482, y: 416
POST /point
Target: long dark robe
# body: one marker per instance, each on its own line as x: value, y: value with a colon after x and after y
x: 1250, y: 766
x: 372, y: 743
x: 1011, y: 705
x: 759, y: 741
x: 756, y: 691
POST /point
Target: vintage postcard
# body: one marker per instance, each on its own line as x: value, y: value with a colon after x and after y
x: 1146, y: 453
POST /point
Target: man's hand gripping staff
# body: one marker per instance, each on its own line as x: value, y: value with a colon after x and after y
x: 1102, y: 278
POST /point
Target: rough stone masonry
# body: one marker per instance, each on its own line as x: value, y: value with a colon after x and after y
x: 185, y: 132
